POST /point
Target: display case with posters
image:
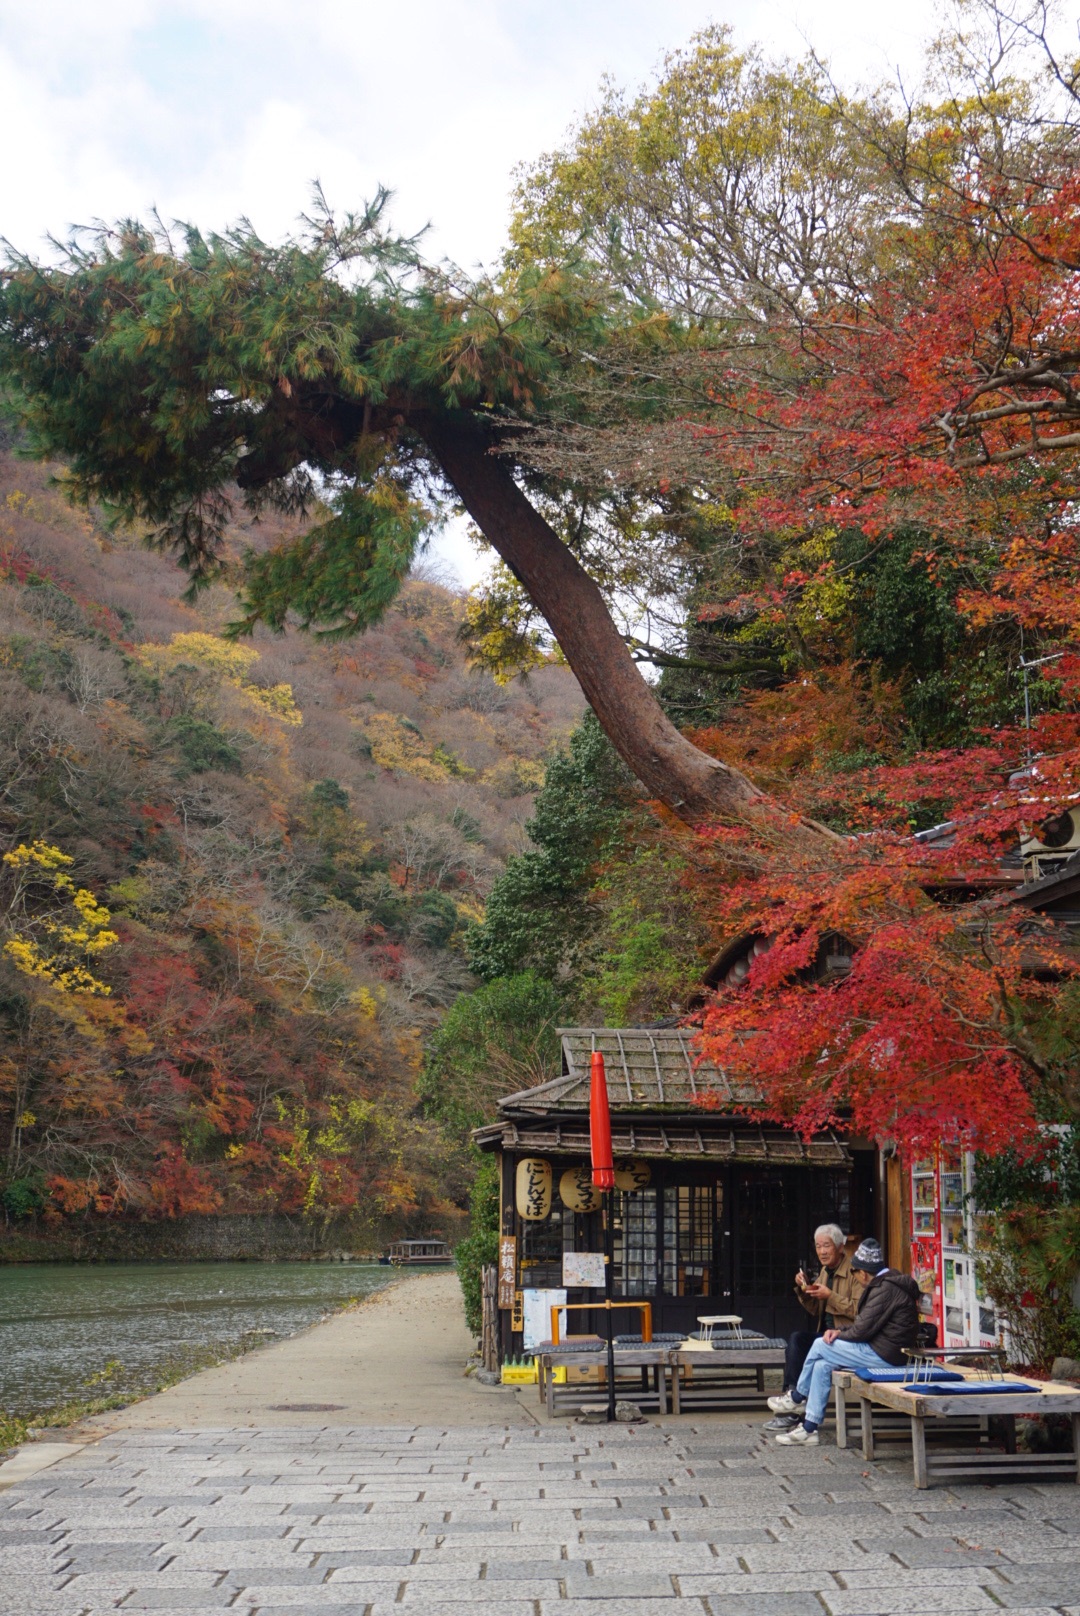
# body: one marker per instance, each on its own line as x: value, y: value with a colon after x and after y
x: 944, y: 1226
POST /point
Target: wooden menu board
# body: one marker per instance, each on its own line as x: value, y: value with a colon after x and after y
x: 507, y: 1269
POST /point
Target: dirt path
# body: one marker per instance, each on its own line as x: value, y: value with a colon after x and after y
x: 397, y: 1359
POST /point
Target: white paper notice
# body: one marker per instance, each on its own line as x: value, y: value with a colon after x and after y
x: 583, y: 1268
x: 536, y: 1316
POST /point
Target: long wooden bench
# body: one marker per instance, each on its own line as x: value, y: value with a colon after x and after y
x: 641, y: 1377
x: 727, y: 1377
x: 940, y: 1414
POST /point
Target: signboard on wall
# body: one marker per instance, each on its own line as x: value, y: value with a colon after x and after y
x: 536, y: 1316
x: 583, y: 1269
x: 507, y: 1269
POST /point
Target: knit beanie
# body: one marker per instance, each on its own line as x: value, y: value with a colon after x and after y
x: 869, y: 1258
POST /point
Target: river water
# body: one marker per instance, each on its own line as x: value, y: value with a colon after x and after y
x: 69, y: 1331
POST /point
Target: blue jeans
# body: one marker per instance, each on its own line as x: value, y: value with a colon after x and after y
x: 815, y: 1382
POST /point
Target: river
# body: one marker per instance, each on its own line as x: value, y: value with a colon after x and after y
x: 73, y: 1332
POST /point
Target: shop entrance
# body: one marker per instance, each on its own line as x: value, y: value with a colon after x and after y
x: 719, y: 1240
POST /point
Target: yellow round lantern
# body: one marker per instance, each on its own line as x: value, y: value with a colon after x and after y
x: 632, y: 1175
x: 578, y: 1191
x: 532, y: 1188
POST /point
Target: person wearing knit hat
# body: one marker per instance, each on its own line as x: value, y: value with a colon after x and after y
x: 886, y: 1321
x: 830, y: 1294
x: 867, y: 1258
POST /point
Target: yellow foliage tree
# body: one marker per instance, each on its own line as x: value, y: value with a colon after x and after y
x: 232, y: 663
x: 54, y: 926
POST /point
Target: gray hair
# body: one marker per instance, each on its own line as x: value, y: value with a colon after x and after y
x: 830, y: 1231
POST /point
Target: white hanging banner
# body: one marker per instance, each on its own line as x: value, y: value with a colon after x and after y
x: 536, y: 1316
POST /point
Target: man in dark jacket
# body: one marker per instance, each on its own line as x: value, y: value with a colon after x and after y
x: 886, y: 1322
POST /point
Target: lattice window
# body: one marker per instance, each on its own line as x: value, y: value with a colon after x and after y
x: 768, y: 1249
x: 542, y: 1247
x: 635, y: 1243
x: 831, y: 1200
x: 689, y: 1223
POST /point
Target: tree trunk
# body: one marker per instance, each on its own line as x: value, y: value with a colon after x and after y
x: 695, y: 786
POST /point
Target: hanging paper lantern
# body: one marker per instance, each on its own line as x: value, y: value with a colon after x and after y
x: 578, y: 1191
x: 632, y: 1175
x: 533, y: 1188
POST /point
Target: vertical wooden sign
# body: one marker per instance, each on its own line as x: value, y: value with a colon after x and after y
x: 507, y: 1269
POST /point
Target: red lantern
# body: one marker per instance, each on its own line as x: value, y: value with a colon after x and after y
x: 603, y: 1168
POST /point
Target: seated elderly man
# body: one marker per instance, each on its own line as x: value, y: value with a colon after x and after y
x: 831, y: 1301
x: 886, y: 1321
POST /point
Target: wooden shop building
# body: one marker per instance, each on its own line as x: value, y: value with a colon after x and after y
x: 714, y: 1212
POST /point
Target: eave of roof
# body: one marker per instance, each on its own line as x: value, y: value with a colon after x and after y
x: 653, y: 1140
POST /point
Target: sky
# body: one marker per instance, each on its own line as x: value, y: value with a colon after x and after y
x: 213, y: 109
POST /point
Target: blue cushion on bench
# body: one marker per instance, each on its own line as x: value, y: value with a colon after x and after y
x: 971, y: 1387
x: 748, y: 1343
x: 665, y: 1338
x: 887, y: 1376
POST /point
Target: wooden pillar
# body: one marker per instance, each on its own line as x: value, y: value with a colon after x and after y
x: 897, y: 1242
x: 489, y: 1335
x: 507, y: 1225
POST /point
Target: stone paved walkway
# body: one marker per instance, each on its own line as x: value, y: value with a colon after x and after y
x: 570, y: 1520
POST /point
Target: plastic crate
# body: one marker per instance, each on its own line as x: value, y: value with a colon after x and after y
x: 519, y: 1374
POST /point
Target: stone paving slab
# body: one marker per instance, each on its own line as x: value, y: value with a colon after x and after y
x: 579, y: 1521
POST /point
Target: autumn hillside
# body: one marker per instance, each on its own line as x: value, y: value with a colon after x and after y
x: 235, y: 884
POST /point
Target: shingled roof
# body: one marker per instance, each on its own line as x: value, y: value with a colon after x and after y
x: 648, y: 1069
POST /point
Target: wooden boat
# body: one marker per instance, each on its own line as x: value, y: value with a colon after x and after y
x: 418, y: 1254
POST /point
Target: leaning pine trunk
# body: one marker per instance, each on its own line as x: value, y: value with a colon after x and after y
x: 695, y: 786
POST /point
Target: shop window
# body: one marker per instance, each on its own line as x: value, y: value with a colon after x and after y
x: 635, y: 1243
x: 830, y: 1201
x: 689, y: 1224
x: 768, y: 1234
x: 542, y: 1247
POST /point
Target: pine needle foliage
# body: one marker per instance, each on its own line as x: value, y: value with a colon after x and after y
x: 175, y: 373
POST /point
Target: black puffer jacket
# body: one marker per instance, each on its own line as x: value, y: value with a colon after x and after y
x: 887, y: 1317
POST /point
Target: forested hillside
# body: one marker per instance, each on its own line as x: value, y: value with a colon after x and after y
x: 236, y: 883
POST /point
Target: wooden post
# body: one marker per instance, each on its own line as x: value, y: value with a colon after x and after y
x: 489, y: 1297
x: 840, y: 1395
x: 918, y: 1450
x: 866, y: 1421
x: 1076, y: 1443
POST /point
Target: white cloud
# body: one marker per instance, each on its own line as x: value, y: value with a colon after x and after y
x: 208, y: 109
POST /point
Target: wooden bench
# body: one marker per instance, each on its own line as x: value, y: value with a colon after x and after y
x: 726, y: 1377
x: 938, y: 1414
x: 641, y: 1377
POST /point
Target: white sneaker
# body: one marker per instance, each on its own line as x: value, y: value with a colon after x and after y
x: 784, y: 1404
x: 799, y: 1437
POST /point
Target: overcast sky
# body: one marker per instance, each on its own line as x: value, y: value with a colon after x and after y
x: 208, y: 109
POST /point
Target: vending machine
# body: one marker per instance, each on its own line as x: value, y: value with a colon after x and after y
x: 944, y: 1231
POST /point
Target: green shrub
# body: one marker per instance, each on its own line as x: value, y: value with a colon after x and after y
x: 481, y: 1245
x: 23, y: 1197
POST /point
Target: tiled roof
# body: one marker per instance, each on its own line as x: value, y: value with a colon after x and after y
x: 648, y: 1069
